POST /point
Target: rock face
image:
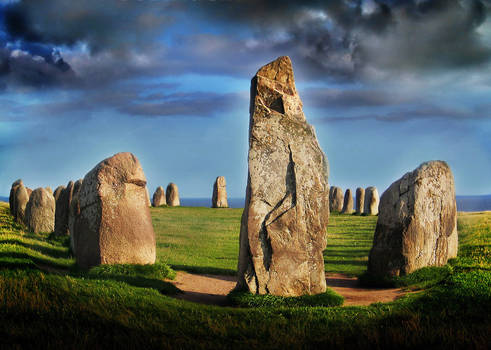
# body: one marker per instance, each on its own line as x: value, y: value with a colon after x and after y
x: 62, y: 210
x: 417, y: 223
x: 348, y: 202
x: 335, y: 199
x: 219, y: 198
x: 283, y: 230
x: 40, y: 211
x: 21, y: 199
x: 57, y: 193
x: 360, y: 200
x: 159, y: 197
x: 13, y: 188
x: 371, y: 201
x: 74, y: 212
x: 114, y: 224
x: 172, y: 195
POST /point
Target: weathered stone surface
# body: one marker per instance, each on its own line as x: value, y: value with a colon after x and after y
x: 219, y: 197
x: 159, y: 197
x: 57, y: 194
x: 417, y: 223
x: 49, y: 190
x: 149, y: 202
x: 172, y: 195
x: 63, y: 209
x: 360, y: 200
x: 348, y: 202
x: 73, y: 212
x: 21, y: 199
x: 13, y: 188
x: 336, y: 199
x: 40, y: 211
x: 283, y: 230
x: 371, y: 201
x: 114, y: 225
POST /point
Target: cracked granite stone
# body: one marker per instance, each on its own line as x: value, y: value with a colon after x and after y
x: 284, y: 224
x: 417, y: 223
x: 113, y: 224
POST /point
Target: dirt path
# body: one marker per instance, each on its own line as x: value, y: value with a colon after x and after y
x: 212, y: 289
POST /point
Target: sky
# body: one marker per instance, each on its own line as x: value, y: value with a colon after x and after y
x: 387, y: 85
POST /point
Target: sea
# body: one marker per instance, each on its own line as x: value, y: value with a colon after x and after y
x: 464, y: 203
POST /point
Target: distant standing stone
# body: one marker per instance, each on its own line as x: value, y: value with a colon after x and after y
x: 283, y: 230
x: 21, y: 200
x: 57, y: 192
x: 172, y: 195
x: 336, y: 199
x: 13, y: 188
x: 417, y: 223
x: 73, y: 212
x: 371, y: 201
x: 219, y: 198
x: 360, y: 200
x: 40, y: 211
x: 114, y: 224
x: 159, y: 197
x: 62, y: 210
x: 348, y: 202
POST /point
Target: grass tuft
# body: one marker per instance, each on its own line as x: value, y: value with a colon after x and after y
x: 248, y: 300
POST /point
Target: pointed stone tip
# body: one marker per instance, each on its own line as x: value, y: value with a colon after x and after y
x: 280, y: 70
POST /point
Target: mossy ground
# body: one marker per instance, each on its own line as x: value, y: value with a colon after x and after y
x: 45, y: 302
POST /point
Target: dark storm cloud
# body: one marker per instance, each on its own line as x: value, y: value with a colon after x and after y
x: 101, y: 24
x: 346, y: 37
x: 21, y: 68
x: 330, y: 97
x: 418, y: 113
x: 130, y: 101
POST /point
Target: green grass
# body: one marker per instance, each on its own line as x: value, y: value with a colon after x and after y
x: 246, y: 299
x: 199, y: 240
x: 48, y: 304
x: 349, y: 239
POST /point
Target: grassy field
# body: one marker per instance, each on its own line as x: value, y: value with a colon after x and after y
x: 206, y: 240
x: 46, y: 302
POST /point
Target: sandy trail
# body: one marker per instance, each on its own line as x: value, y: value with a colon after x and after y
x: 212, y: 289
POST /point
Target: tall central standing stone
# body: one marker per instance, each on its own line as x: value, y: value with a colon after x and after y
x: 283, y: 231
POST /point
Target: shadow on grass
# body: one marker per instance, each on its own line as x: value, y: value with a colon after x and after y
x: 55, y: 253
x: 163, y: 287
x: 202, y: 270
x: 35, y: 260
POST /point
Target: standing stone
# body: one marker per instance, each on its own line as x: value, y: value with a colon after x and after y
x: 159, y: 197
x: 336, y: 199
x: 40, y: 211
x: 283, y: 230
x: 57, y: 194
x: 62, y: 210
x: 73, y: 212
x: 219, y: 198
x: 149, y: 202
x: 21, y: 199
x: 13, y: 188
x: 49, y: 190
x: 360, y: 200
x: 114, y: 225
x: 417, y: 223
x: 348, y: 202
x: 172, y: 195
x: 371, y: 201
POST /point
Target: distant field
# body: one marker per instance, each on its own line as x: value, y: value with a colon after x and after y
x: 206, y: 240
